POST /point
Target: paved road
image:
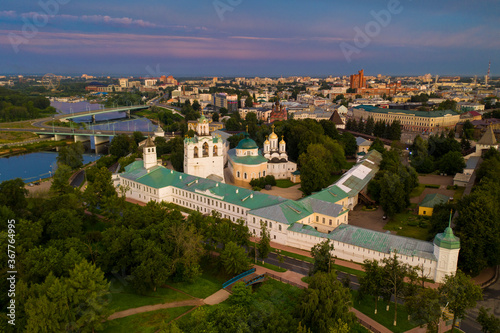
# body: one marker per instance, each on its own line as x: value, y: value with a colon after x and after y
x: 491, y: 300
x: 303, y: 267
x: 79, y: 178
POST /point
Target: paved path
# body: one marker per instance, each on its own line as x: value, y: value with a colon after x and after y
x: 217, y: 298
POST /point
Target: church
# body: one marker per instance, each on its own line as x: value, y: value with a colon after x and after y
x: 246, y: 161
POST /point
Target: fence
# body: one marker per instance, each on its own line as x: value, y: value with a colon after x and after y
x: 284, y: 280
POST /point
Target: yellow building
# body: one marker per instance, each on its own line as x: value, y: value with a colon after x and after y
x: 245, y: 162
x: 426, y: 207
x: 411, y: 120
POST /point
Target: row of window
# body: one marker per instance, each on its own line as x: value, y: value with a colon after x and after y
x: 270, y: 225
x: 139, y: 187
x: 209, y: 202
x: 245, y: 175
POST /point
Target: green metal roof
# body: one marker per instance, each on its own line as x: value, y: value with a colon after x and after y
x: 248, y: 160
x: 447, y: 240
x: 331, y: 194
x: 246, y: 143
x: 434, y: 199
x: 159, y: 177
x: 290, y: 211
x: 437, y: 113
x: 372, y: 240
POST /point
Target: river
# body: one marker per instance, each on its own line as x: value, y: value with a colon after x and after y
x: 33, y: 166
x: 110, y: 121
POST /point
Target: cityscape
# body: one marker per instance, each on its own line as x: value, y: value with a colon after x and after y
x: 233, y: 166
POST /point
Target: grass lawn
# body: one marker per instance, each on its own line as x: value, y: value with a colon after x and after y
x: 10, y: 137
x: 125, y: 298
x: 208, y: 283
x: 284, y: 183
x: 386, y: 318
x: 399, y: 223
x: 417, y: 191
x: 458, y: 193
x: 270, y: 266
x: 18, y: 124
x: 147, y: 322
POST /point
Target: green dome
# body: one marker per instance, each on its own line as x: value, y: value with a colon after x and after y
x: 247, y: 143
x: 447, y: 240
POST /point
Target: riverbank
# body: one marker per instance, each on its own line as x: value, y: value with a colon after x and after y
x: 32, y: 147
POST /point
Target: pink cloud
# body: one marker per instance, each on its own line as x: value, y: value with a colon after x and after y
x: 8, y: 13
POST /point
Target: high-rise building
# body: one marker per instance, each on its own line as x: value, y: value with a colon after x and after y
x: 223, y: 100
x: 358, y: 80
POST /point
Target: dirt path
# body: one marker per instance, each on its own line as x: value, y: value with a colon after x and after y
x: 148, y: 308
x: 291, y: 192
x: 216, y: 298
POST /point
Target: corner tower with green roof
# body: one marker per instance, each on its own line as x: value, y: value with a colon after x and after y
x: 446, y: 249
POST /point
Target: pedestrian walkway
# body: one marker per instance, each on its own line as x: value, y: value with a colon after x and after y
x: 216, y: 298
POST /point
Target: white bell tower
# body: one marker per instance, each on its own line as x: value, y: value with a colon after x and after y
x: 149, y: 154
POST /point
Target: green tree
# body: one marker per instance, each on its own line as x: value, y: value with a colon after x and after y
x: 215, y: 117
x: 324, y: 302
x: 394, y: 273
x: 489, y: 322
x: 122, y: 145
x: 447, y: 105
x: 323, y: 257
x: 234, y: 259
x: 372, y: 282
x: 460, y: 293
x: 451, y: 163
x: 392, y: 194
x: 377, y: 145
x: 350, y: 144
x: 60, y: 182
x: 264, y: 246
x: 315, y: 168
x: 240, y: 294
x: 248, y: 102
x: 89, y: 290
x: 71, y: 155
x: 370, y: 126
x: 395, y: 131
x: 63, y: 224
x: 13, y: 194
x: 425, y: 308
x: 100, y: 189
x: 138, y: 137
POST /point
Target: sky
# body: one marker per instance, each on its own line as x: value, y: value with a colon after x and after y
x: 249, y: 37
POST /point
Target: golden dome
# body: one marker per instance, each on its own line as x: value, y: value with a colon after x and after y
x: 273, y: 136
x: 267, y: 141
x: 282, y: 140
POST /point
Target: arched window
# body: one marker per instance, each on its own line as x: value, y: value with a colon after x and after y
x: 215, y: 150
x: 205, y: 149
x: 245, y: 175
x: 238, y: 174
x: 195, y: 152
